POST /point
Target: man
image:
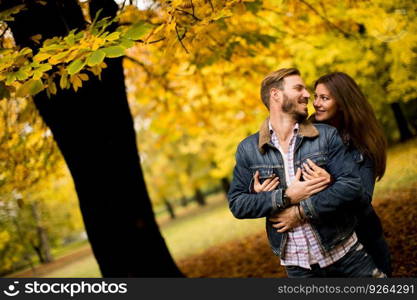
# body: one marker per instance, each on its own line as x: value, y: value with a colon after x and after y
x: 310, y: 224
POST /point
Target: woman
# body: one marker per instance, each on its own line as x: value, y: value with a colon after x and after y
x: 339, y: 102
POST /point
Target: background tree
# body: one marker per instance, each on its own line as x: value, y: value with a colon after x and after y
x: 192, y: 72
x: 94, y: 128
x: 94, y: 131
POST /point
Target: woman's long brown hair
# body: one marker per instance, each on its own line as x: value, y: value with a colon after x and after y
x: 357, y: 119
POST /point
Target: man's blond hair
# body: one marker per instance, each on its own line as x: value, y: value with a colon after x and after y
x: 275, y: 80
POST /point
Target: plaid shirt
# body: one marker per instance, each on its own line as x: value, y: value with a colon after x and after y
x: 302, y: 247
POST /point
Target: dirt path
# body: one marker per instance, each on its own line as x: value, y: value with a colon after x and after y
x: 58, y: 263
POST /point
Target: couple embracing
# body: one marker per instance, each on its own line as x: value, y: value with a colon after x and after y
x: 313, y: 179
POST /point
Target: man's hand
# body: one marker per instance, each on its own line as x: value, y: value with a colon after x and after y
x: 286, y: 219
x: 268, y: 185
x: 300, y: 190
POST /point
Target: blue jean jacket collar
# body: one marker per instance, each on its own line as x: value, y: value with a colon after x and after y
x: 307, y: 129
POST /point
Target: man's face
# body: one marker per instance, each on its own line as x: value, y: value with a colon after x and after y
x: 295, y: 97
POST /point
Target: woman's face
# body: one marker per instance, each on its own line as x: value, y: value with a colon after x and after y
x: 324, y: 104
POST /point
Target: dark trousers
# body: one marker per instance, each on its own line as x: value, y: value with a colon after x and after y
x: 378, y: 250
x: 355, y: 263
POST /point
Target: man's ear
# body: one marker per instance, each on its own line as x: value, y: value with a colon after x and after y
x: 274, y: 94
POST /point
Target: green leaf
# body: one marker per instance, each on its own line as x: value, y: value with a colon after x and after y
x: 70, y: 39
x: 39, y: 71
x: 96, y: 58
x: 52, y: 41
x: 113, y: 36
x: 10, y: 78
x: 41, y: 56
x: 79, y: 35
x: 137, y: 31
x: 37, y: 74
x: 44, y: 67
x: 21, y: 75
x: 25, y: 51
x: 31, y: 87
x: 35, y: 64
x: 114, y: 51
x: 75, y: 66
x: 52, y: 47
x: 126, y: 43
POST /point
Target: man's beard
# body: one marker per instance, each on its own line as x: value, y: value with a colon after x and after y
x: 288, y: 106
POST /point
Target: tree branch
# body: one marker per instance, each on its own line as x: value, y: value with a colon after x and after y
x: 188, y: 13
x: 162, y: 82
x: 181, y: 38
x: 134, y: 60
x: 330, y: 24
x: 156, y: 41
x: 192, y: 7
x: 211, y: 5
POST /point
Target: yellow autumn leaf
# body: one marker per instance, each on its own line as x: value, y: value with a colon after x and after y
x: 63, y: 82
x: 76, y: 82
x: 83, y: 76
x: 42, y: 56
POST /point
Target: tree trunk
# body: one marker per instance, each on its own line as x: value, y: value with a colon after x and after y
x: 43, y: 250
x: 19, y: 232
x: 38, y: 252
x: 199, y: 197
x: 405, y: 133
x: 169, y: 208
x: 183, y: 201
x: 94, y: 131
x: 225, y: 185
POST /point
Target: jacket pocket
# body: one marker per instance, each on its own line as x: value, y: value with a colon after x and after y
x: 265, y: 172
x: 320, y: 159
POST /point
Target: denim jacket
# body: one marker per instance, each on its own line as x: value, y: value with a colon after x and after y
x: 329, y: 212
x: 369, y: 229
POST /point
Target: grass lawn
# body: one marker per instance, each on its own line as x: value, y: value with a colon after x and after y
x: 188, y: 235
x: 401, y: 169
x: 195, y: 233
x: 203, y: 228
